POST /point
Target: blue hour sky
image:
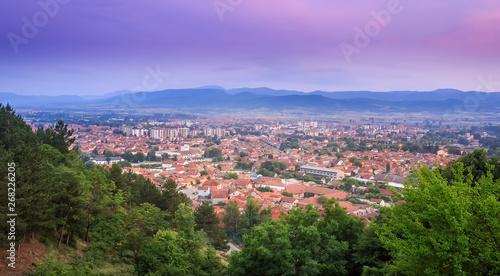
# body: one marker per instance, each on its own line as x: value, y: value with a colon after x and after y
x: 91, y: 47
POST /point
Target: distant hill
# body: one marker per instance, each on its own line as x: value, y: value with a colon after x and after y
x: 213, y: 98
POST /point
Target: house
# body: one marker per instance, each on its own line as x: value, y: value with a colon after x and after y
x: 288, y: 201
x: 355, y: 209
x: 380, y: 202
x: 386, y: 192
x: 271, y: 182
x: 301, y: 190
x: 219, y: 195
x: 167, y: 164
x: 214, y: 184
x: 182, y: 162
x: 255, y: 194
x: 203, y: 191
x: 244, y: 183
x: 316, y: 202
x: 391, y: 179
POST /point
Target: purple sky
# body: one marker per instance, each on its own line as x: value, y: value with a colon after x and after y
x: 98, y: 46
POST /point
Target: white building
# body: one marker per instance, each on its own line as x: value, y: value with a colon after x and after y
x: 323, y: 172
x: 104, y: 160
x: 203, y: 191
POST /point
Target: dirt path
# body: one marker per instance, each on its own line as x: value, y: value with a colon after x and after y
x: 26, y: 256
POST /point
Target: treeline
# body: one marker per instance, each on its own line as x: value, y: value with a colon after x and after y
x: 122, y: 222
x: 416, y: 147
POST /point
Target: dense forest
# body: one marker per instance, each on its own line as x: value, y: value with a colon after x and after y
x: 105, y: 222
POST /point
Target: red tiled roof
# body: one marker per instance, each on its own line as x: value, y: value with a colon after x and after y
x: 222, y: 193
x: 348, y: 206
x: 386, y: 192
x: 287, y: 199
x: 376, y: 200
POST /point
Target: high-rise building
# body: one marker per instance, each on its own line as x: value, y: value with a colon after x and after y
x: 184, y: 132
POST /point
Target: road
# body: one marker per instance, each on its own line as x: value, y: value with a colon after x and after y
x: 192, y: 192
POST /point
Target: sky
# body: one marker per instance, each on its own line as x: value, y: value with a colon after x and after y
x: 93, y: 47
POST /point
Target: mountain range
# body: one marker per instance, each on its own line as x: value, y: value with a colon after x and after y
x: 214, y: 98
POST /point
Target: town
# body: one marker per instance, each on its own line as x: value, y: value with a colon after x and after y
x: 279, y: 164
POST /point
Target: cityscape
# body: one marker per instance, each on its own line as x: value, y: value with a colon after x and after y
x: 233, y: 137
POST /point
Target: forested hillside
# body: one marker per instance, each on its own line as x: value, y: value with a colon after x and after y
x: 121, y: 223
x: 105, y: 222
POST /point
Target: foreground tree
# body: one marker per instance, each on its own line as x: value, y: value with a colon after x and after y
x: 231, y: 215
x: 302, y: 243
x: 171, y: 198
x: 477, y: 163
x: 59, y: 137
x: 446, y: 228
x: 206, y: 219
x: 252, y: 216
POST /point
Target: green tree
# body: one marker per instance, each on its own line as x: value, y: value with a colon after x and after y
x: 273, y: 166
x: 264, y: 172
x: 212, y: 153
x: 347, y: 186
x: 298, y: 244
x: 252, y: 216
x: 139, y: 157
x: 59, y: 137
x: 84, y: 157
x: 206, y: 219
x: 89, y: 165
x: 478, y: 163
x: 243, y: 166
x: 124, y: 164
x: 230, y: 175
x: 171, y: 198
x: 151, y: 156
x: 231, y: 215
x: 370, y: 252
x: 322, y: 199
x: 143, y: 221
x: 98, y: 198
x: 264, y: 189
x: 445, y: 228
x: 164, y: 156
x: 463, y: 141
x: 128, y: 156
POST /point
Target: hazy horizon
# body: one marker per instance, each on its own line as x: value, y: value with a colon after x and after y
x: 124, y: 91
